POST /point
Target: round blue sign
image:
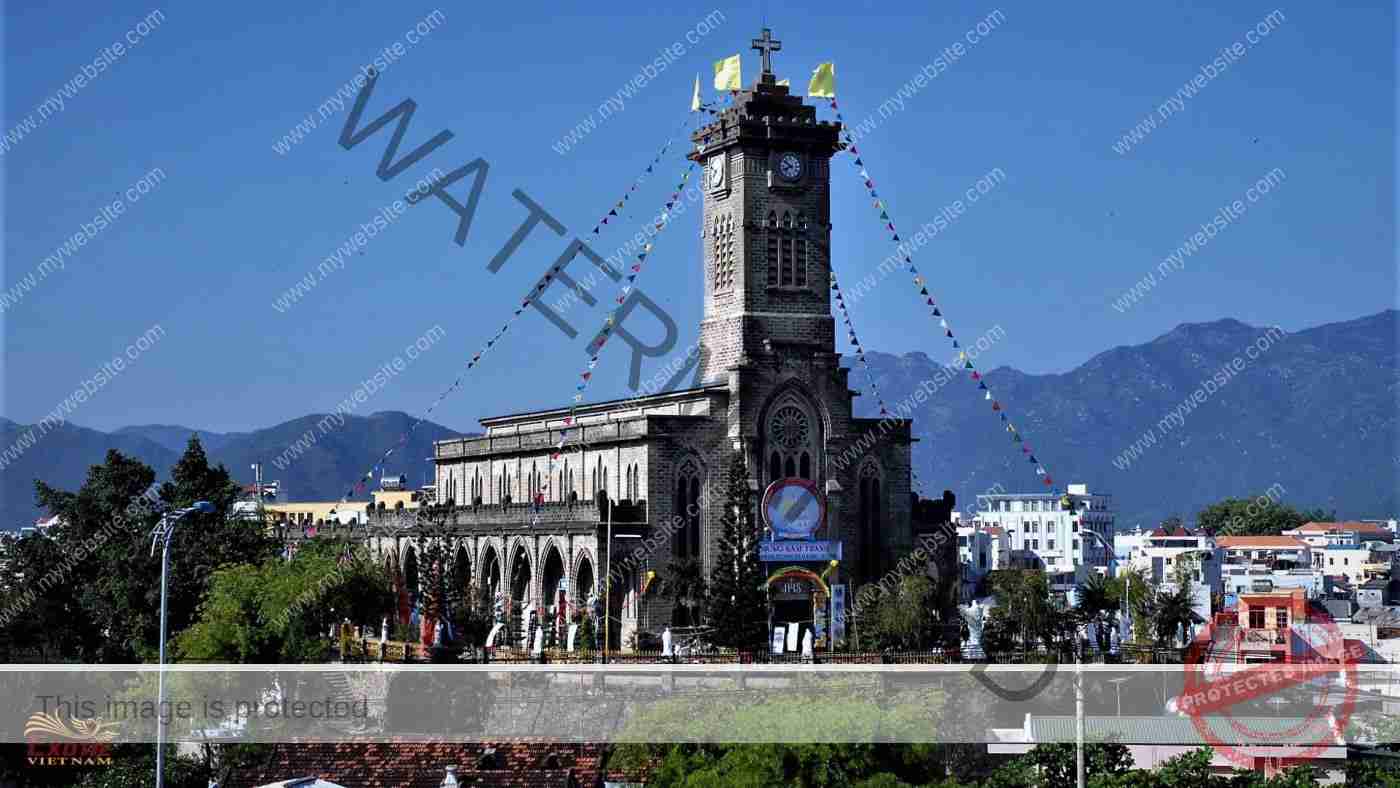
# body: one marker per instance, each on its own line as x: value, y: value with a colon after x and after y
x: 793, y: 508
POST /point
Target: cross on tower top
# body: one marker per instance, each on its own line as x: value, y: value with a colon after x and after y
x: 767, y: 45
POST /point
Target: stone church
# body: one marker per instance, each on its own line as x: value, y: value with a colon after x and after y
x: 771, y: 386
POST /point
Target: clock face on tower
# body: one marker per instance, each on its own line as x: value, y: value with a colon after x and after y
x: 790, y: 166
x: 716, y: 172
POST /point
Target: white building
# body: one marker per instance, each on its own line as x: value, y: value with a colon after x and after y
x: 1125, y: 543
x: 1355, y: 562
x: 1266, y: 552
x: 975, y: 556
x: 1326, y: 533
x: 1166, y: 556
x: 1053, y: 526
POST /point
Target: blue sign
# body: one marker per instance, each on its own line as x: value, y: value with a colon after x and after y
x: 780, y: 550
x: 793, y: 508
x: 838, y: 613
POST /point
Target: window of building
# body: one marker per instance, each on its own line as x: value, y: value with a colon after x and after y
x: 772, y: 249
x: 1281, y: 618
x: 686, y: 543
x: 868, y: 500
x: 1256, y: 619
x: 723, y: 253
x: 1050, y: 544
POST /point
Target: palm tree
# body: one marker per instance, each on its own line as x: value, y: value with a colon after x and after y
x: 1098, y: 601
x: 1174, y: 613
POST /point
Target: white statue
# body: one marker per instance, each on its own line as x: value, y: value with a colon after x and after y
x: 666, y: 642
x: 807, y: 644
x: 975, y: 615
x: 384, y: 631
x: 539, y: 641
x: 437, y: 633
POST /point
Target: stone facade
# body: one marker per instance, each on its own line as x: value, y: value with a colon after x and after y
x: 771, y: 387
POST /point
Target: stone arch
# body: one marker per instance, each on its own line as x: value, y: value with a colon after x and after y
x: 552, y: 573
x: 584, y: 577
x: 520, y: 568
x: 462, y: 570
x: 412, y: 575
x: 491, y: 569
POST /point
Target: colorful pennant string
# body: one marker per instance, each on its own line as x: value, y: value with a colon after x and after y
x: 616, y: 208
x: 860, y: 354
x: 921, y: 285
x: 595, y: 348
x: 363, y: 481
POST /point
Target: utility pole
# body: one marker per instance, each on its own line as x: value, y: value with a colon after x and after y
x: 607, y: 590
x: 1078, y: 716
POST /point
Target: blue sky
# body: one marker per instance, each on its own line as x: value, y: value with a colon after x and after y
x: 1044, y: 96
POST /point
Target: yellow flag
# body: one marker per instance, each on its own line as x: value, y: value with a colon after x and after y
x: 727, y: 74
x: 823, y: 84
x: 787, y: 83
x: 695, y: 98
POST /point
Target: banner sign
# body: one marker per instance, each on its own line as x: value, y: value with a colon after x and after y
x: 838, y: 612
x: 790, y: 550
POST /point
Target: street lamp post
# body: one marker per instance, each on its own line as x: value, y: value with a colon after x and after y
x: 1079, y: 679
x: 162, y: 533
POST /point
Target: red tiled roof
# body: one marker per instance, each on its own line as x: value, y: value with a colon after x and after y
x: 1317, y: 527
x: 518, y: 764
x: 1177, y: 531
x: 1286, y: 542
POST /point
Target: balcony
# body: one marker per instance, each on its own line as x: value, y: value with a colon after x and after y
x: 1265, y: 637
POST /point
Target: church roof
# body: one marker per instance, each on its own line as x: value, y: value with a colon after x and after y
x: 623, y: 403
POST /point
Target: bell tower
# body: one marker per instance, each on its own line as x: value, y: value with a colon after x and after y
x: 766, y: 225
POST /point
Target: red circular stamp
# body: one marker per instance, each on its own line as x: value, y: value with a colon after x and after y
x: 1272, y: 648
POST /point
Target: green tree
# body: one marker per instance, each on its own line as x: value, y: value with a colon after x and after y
x: 1098, y: 604
x: 683, y: 582
x: 902, y: 619
x: 1024, y: 615
x: 738, y: 608
x: 1260, y: 516
x: 1170, y: 613
x: 282, y: 611
x: 1055, y: 763
x: 107, y: 547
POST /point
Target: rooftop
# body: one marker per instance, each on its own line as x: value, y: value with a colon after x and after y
x: 1183, y: 730
x: 1350, y: 525
x: 1286, y: 542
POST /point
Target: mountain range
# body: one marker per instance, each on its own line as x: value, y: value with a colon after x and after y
x: 1203, y: 412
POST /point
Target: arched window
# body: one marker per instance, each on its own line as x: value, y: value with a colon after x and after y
x: 686, y: 542
x: 793, y: 441
x: 772, y: 249
x: 800, y: 261
x: 868, y: 500
x: 785, y: 267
